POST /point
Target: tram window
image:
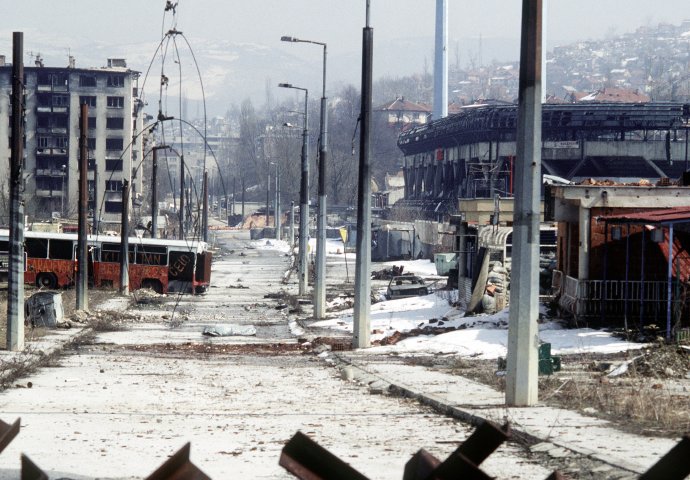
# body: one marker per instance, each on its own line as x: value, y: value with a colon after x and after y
x: 61, y: 249
x: 36, y: 247
x: 152, y: 255
x: 110, y: 253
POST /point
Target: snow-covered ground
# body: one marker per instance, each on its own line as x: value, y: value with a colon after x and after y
x: 479, y: 336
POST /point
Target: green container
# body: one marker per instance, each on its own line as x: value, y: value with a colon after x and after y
x: 547, y: 363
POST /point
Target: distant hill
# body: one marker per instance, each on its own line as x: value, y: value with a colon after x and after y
x: 233, y: 71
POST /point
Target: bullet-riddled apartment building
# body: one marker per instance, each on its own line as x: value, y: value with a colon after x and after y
x: 52, y: 100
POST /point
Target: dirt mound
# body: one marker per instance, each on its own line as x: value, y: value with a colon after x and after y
x: 663, y: 361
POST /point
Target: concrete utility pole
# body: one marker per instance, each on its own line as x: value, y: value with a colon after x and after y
x: 204, y: 220
x: 303, y: 195
x: 276, y: 202
x: 523, y: 337
x: 268, y: 195
x: 362, y: 306
x: 441, y: 61
x: 292, y: 224
x: 96, y: 206
x: 304, y: 203
x: 15, y: 272
x: 82, y: 242
x: 181, y: 232
x: 154, y: 191
x: 320, y: 286
x: 124, y: 240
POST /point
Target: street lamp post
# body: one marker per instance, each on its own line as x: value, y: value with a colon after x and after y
x: 303, y: 194
x: 276, y: 206
x: 320, y: 283
x: 268, y: 195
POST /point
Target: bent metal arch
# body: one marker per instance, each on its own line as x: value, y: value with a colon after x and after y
x: 471, y: 154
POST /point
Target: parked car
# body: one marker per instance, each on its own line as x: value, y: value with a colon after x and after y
x: 404, y: 286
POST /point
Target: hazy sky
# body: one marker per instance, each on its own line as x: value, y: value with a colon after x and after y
x: 71, y: 24
x: 337, y: 22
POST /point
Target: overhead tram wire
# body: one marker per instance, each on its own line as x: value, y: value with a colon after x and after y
x: 162, y: 49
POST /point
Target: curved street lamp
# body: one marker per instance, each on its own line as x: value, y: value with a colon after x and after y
x: 303, y: 194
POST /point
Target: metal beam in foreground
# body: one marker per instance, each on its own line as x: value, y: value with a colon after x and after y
x: 7, y: 433
x: 178, y: 467
x: 307, y: 460
x: 521, y: 379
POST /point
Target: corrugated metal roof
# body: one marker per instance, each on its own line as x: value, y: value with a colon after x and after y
x: 665, y: 216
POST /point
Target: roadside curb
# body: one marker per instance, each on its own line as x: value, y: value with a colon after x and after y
x: 378, y: 384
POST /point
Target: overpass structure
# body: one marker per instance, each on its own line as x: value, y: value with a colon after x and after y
x: 471, y: 155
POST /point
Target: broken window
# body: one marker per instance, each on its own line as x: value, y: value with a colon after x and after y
x: 36, y: 247
x: 113, y: 185
x: 116, y: 102
x: 116, y: 80
x: 110, y: 252
x: 60, y: 100
x: 87, y: 80
x: 90, y: 100
x: 113, y: 207
x: 115, y: 123
x: 152, y: 255
x: 114, y: 143
x: 61, y: 249
x: 113, y: 165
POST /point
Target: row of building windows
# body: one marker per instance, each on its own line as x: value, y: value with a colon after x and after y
x: 63, y: 100
x: 116, y: 81
x: 85, y: 80
x: 46, y: 141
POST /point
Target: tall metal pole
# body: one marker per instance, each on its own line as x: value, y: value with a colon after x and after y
x: 320, y: 284
x: 154, y: 192
x: 204, y: 220
x: 243, y: 191
x: 82, y: 243
x: 362, y: 306
x: 292, y: 224
x: 15, y: 273
x: 268, y: 196
x: 304, y: 202
x: 124, y: 240
x: 276, y: 204
x: 522, y: 358
x: 441, y: 61
x: 96, y: 217
x: 181, y: 232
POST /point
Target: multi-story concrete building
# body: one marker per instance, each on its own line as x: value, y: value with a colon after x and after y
x: 53, y: 98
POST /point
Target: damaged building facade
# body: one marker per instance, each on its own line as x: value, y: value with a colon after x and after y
x: 53, y: 96
x: 471, y: 155
x: 462, y: 167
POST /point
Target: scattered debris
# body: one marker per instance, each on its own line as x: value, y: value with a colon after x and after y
x: 229, y: 330
x: 388, y: 273
x: 404, y: 286
x: 44, y: 309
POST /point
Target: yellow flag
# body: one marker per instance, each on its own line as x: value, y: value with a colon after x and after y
x: 343, y: 234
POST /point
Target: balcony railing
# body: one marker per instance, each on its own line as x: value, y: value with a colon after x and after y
x: 614, y: 299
